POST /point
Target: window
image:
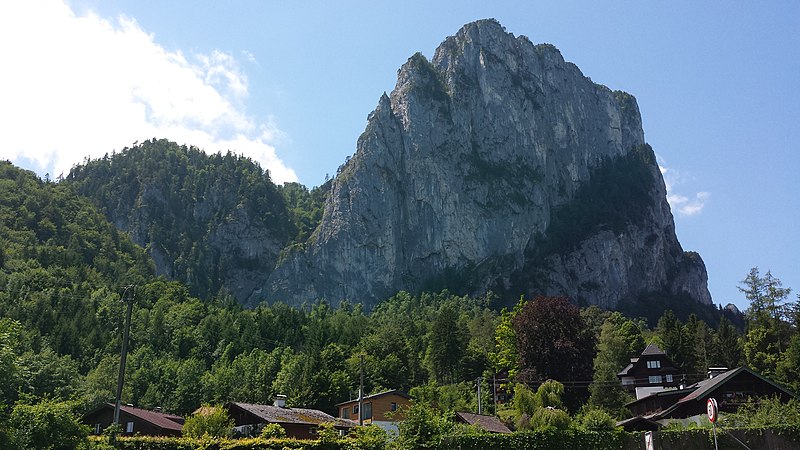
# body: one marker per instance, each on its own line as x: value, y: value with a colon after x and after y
x: 97, y: 429
x: 355, y: 409
x: 669, y: 378
x: 345, y: 413
x: 653, y: 364
x: 367, y: 411
x: 393, y: 406
x: 655, y: 379
x: 129, y: 428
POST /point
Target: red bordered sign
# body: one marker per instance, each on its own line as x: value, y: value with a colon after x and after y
x: 713, y: 410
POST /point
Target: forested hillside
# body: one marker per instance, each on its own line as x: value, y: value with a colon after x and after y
x: 65, y: 269
x: 214, y: 222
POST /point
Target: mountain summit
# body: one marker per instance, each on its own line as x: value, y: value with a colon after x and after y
x: 496, y: 165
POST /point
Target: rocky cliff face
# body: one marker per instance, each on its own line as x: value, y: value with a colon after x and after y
x: 461, y: 171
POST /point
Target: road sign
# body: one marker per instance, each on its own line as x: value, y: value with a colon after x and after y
x: 713, y: 410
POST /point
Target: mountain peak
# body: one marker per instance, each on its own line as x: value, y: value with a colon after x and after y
x: 460, y: 182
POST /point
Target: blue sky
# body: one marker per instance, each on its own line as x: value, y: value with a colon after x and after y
x: 291, y: 83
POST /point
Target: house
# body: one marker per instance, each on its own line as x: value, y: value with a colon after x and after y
x: 731, y: 389
x: 652, y: 371
x: 299, y: 423
x: 134, y: 421
x: 486, y: 423
x: 383, y: 409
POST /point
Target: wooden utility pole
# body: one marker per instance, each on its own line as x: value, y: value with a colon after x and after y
x: 361, y: 391
x: 480, y: 410
x: 124, y: 355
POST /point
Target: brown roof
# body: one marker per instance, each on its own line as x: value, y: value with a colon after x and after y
x: 276, y: 414
x: 161, y: 420
x: 489, y: 423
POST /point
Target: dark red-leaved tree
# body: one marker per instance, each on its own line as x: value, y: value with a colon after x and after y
x: 553, y: 342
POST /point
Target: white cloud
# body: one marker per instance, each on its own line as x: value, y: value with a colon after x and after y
x: 685, y: 206
x: 77, y: 86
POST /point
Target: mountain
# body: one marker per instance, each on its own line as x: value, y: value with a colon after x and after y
x: 62, y: 265
x: 214, y: 222
x: 496, y: 165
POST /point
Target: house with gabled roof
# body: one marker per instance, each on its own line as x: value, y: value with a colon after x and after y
x: 651, y: 372
x: 299, y: 423
x: 384, y: 409
x: 730, y: 389
x: 134, y: 421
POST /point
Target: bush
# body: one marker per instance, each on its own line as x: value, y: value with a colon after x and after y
x: 47, y: 425
x: 209, y: 421
x: 596, y: 419
x: 550, y: 418
x: 273, y: 431
x: 370, y: 437
x: 422, y: 428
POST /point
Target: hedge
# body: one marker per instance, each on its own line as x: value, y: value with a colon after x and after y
x: 778, y: 437
x: 543, y: 440
x: 184, y: 443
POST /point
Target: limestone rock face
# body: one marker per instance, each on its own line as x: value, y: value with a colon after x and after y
x: 458, y: 177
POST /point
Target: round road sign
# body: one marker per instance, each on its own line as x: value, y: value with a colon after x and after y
x: 713, y: 410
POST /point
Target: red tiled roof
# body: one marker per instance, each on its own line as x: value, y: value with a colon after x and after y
x: 489, y: 423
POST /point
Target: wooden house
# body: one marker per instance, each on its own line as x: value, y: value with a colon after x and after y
x: 299, y: 423
x: 652, y: 371
x: 384, y: 409
x: 134, y: 421
x: 730, y: 389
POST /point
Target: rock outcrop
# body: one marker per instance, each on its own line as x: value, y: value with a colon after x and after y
x: 471, y: 170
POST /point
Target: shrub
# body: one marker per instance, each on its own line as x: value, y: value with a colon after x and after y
x: 596, y: 419
x: 273, y: 431
x: 550, y: 418
x: 370, y: 437
x: 209, y: 420
x: 47, y: 425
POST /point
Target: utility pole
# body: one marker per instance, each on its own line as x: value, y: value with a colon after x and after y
x: 361, y: 391
x: 480, y: 410
x: 494, y: 391
x: 124, y: 355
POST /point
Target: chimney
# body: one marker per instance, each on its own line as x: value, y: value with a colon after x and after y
x: 714, y: 371
x: 280, y: 401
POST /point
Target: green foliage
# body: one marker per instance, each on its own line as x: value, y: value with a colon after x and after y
x: 769, y: 322
x: 677, y: 342
x: 546, y: 439
x: 506, y: 355
x: 209, y: 421
x: 273, y: 431
x: 595, y: 419
x: 549, y: 417
x: 447, y: 345
x: 305, y: 207
x: 47, y: 425
x: 620, y: 339
x: 369, y: 437
x: 179, y: 202
x: 765, y: 412
x: 422, y: 428
x: 618, y: 194
x: 542, y: 408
